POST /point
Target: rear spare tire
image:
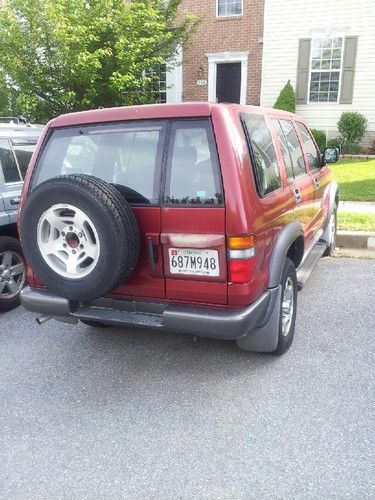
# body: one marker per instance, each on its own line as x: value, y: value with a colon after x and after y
x: 80, y: 236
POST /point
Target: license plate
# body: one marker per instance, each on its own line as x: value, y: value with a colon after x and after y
x: 194, y: 261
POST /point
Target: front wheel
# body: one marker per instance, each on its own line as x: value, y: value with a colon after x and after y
x: 332, y: 233
x: 12, y: 273
x: 288, y: 307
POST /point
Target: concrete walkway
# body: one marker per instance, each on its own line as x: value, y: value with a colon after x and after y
x: 367, y: 207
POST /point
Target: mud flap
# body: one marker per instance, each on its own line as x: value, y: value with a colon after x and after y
x: 265, y: 337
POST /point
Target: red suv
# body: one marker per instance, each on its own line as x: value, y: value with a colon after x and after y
x: 198, y: 218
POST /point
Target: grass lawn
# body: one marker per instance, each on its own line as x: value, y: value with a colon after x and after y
x: 353, y: 221
x: 356, y: 179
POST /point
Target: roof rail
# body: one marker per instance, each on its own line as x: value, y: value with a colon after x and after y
x: 14, y: 120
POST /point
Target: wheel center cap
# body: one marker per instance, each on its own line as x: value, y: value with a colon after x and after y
x: 72, y: 240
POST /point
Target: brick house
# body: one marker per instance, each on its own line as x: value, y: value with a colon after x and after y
x: 222, y: 61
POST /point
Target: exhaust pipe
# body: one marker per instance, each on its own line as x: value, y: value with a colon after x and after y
x: 43, y: 319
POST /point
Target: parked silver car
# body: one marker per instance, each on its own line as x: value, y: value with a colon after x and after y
x: 17, y: 143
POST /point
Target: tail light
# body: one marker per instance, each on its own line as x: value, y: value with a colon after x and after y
x: 241, y: 252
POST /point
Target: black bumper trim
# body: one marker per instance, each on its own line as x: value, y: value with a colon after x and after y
x: 201, y: 321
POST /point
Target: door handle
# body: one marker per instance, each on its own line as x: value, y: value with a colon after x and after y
x: 15, y: 201
x: 297, y: 194
x: 151, y: 255
x: 154, y: 254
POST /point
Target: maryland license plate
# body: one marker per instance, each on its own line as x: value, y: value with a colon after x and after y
x: 194, y: 261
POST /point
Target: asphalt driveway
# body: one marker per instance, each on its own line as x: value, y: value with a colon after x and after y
x: 89, y: 413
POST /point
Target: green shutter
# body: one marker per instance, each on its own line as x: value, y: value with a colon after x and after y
x: 303, y: 69
x: 348, y: 70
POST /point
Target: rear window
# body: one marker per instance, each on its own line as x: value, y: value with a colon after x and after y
x: 129, y: 154
x: 132, y: 155
x: 193, y: 174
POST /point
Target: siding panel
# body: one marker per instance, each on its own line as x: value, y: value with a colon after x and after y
x: 287, y: 21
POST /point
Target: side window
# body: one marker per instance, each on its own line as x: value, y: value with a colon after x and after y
x: 263, y: 153
x: 312, y: 153
x: 284, y: 150
x: 23, y: 154
x: 193, y: 176
x: 294, y: 147
x: 8, y: 163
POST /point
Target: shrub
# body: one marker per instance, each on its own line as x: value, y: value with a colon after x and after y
x: 352, y: 127
x: 371, y: 149
x: 320, y: 137
x: 352, y: 149
x: 334, y: 143
x: 286, y: 99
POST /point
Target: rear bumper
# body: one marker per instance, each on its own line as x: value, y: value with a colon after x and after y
x: 201, y: 321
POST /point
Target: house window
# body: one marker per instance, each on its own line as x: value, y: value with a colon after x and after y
x: 326, y: 56
x: 158, y: 81
x: 227, y: 8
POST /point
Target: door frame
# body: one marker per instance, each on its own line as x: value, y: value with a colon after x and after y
x: 227, y: 57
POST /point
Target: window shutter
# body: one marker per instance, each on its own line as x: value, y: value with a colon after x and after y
x: 348, y: 69
x: 303, y: 69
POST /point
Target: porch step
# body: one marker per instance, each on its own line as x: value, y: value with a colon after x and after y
x: 115, y: 317
x: 307, y: 266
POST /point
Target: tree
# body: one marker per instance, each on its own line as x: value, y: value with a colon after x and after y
x: 69, y: 55
x: 286, y: 99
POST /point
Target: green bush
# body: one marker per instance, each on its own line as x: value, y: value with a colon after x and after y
x: 370, y: 150
x: 286, y: 99
x: 352, y: 149
x: 352, y: 127
x: 320, y: 137
x: 334, y: 143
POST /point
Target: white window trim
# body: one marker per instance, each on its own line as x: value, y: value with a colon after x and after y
x: 326, y: 35
x: 227, y: 57
x: 174, y: 78
x: 228, y: 15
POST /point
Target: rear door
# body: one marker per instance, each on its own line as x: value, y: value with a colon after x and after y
x: 302, y: 186
x: 128, y: 155
x: 141, y: 158
x: 193, y: 216
x: 317, y: 171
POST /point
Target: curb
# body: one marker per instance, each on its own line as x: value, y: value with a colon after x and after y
x: 356, y: 239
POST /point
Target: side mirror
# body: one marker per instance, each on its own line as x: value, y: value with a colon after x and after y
x: 330, y: 155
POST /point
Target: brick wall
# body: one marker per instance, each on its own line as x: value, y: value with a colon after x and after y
x: 213, y: 35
